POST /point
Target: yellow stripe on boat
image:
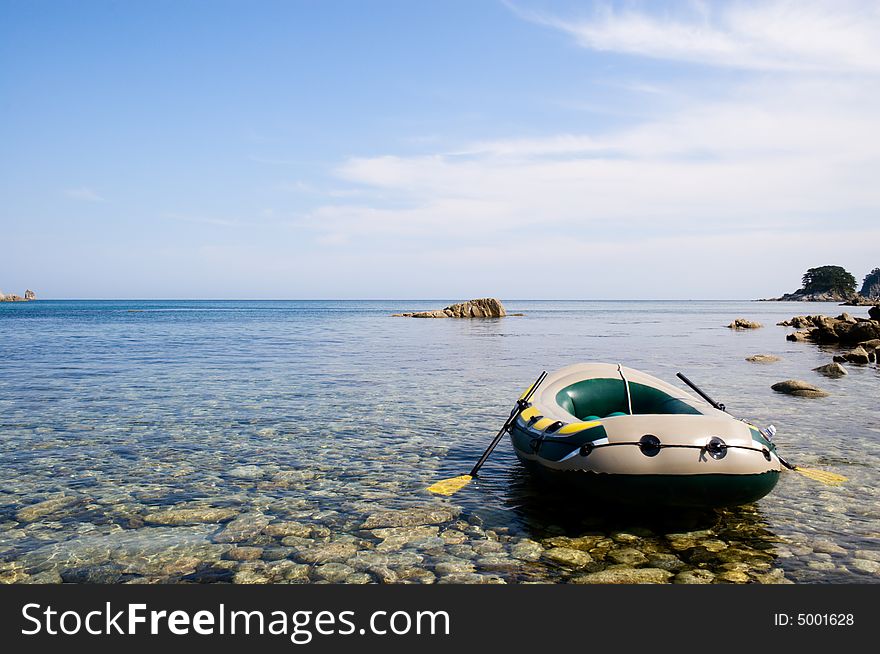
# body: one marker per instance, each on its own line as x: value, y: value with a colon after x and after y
x: 543, y: 423
x: 575, y: 427
x: 526, y: 392
x: 529, y: 413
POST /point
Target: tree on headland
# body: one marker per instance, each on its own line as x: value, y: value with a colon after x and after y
x: 829, y: 279
x: 871, y: 285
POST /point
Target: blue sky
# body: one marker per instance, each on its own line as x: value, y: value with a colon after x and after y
x: 436, y: 149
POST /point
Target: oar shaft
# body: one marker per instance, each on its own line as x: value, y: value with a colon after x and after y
x: 721, y: 407
x: 699, y: 391
x: 520, y: 405
x: 492, y: 445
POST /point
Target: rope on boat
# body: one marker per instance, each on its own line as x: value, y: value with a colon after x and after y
x: 586, y: 448
x: 629, y: 403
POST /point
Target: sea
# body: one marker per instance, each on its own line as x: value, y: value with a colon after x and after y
x: 315, y: 415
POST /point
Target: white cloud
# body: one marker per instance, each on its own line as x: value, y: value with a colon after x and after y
x: 776, y: 154
x: 772, y: 174
x: 781, y: 35
x: 84, y: 194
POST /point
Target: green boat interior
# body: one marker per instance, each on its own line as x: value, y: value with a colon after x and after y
x: 593, y: 399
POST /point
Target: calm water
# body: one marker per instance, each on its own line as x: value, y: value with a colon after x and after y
x: 322, y: 413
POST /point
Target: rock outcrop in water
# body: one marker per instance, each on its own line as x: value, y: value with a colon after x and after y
x: 798, y: 388
x: 742, y: 323
x: 831, y: 370
x: 844, y: 329
x: 481, y: 308
x: 28, y: 296
x: 860, y: 301
x: 858, y: 355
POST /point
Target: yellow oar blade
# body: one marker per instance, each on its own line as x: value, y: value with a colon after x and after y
x: 823, y: 476
x: 451, y: 485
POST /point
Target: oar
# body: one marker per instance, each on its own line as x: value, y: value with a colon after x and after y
x: 455, y: 484
x: 830, y: 478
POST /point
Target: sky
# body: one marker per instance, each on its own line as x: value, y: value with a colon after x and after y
x: 455, y: 149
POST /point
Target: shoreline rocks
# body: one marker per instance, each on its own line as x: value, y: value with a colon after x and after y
x: 861, y: 301
x: 488, y: 307
x: 844, y: 329
x: 803, y: 296
x: 858, y: 355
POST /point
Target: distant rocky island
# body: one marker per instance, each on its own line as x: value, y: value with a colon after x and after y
x: 834, y: 284
x: 28, y: 296
x: 487, y: 307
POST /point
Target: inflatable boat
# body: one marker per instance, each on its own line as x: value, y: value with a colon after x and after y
x: 617, y: 435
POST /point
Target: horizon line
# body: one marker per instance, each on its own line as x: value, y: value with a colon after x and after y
x: 343, y: 299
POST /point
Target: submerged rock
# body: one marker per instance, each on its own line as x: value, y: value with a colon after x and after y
x: 831, y: 370
x: 763, y: 358
x: 798, y: 388
x: 668, y: 562
x: 395, y: 538
x: 733, y: 577
x: 46, y: 507
x: 151, y: 551
x: 698, y: 576
x: 526, y: 550
x: 326, y: 552
x: 411, y: 517
x: 260, y: 572
x: 284, y: 529
x: 244, y: 527
x: 14, y: 576
x: 335, y: 572
x: 579, y: 543
x: 864, y: 565
x: 568, y: 556
x: 190, y: 516
x: 454, y: 566
x: 625, y: 576
x: 245, y: 553
x: 246, y: 472
x: 627, y: 556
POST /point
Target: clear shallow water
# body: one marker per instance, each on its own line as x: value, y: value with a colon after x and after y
x: 320, y: 414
